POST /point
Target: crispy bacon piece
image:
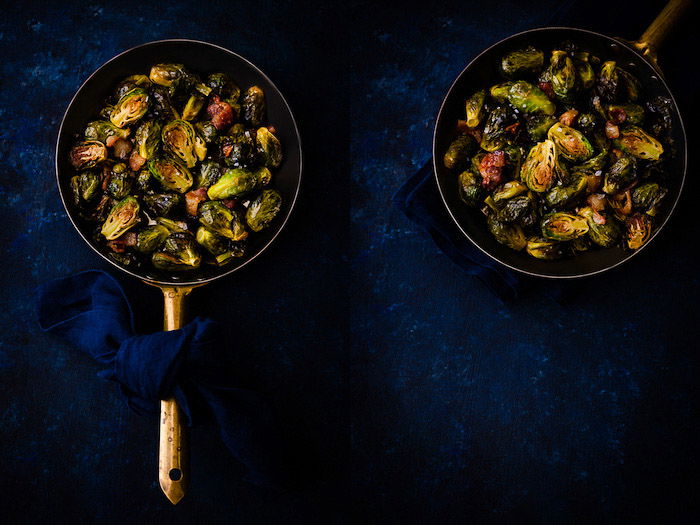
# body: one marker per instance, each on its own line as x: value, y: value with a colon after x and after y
x: 192, y: 200
x: 547, y: 88
x: 136, y: 161
x: 119, y: 245
x: 220, y: 113
x: 611, y: 130
x: 491, y: 169
x: 618, y: 115
x: 568, y: 117
x: 230, y: 203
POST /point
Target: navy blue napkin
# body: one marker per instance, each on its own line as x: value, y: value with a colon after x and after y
x: 90, y: 311
x: 420, y: 200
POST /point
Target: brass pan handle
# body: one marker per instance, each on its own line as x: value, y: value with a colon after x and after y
x: 650, y: 41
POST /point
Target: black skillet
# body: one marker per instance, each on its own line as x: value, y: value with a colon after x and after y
x: 203, y: 58
x: 638, y: 57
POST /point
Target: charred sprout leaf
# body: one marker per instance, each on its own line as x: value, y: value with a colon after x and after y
x: 193, y: 106
x: 179, y: 139
x: 179, y: 253
x: 269, y: 148
x: 509, y: 190
x: 638, y: 143
x: 510, y: 235
x: 647, y: 197
x: 602, y: 230
x: 253, y: 106
x: 563, y: 74
x: 563, y: 226
x: 522, y: 62
x: 545, y: 249
x: 457, y: 154
x: 475, y: 108
x: 87, y: 154
x: 234, y: 182
x: 527, y: 98
x: 570, y: 143
x: 168, y: 75
x: 207, y: 131
x: 621, y: 174
x: 639, y: 229
x: 263, y: 210
x: 123, y: 216
x: 120, y: 182
x: 85, y: 187
x: 147, y: 138
x: 539, y: 169
x: 172, y: 174
x: 538, y: 125
x: 584, y: 70
x: 210, y: 241
x: 150, y: 238
x: 263, y: 176
x: 162, y: 204
x: 100, y: 130
x: 209, y: 173
x: 562, y: 196
x: 130, y: 108
x: 470, y: 189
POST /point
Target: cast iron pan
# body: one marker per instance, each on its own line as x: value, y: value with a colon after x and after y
x: 203, y: 58
x: 636, y: 57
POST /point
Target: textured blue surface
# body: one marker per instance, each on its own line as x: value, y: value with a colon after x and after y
x: 408, y: 390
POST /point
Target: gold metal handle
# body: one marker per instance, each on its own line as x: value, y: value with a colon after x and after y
x: 650, y: 41
x: 173, y: 471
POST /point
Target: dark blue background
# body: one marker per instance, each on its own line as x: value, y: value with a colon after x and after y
x: 408, y: 392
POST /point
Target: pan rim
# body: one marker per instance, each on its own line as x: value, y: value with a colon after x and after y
x: 612, y: 40
x: 183, y: 282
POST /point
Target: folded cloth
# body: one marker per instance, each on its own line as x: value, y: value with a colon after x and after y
x: 90, y: 311
x: 420, y: 200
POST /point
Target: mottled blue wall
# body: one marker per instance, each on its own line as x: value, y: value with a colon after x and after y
x: 409, y: 392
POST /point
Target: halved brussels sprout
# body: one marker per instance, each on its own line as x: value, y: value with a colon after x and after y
x: 602, y: 229
x: 621, y: 174
x: 167, y: 74
x: 561, y: 196
x: 85, y: 187
x: 221, y: 220
x: 269, y: 148
x: 545, y: 249
x: 570, y: 143
x: 179, y: 138
x: 608, y: 81
x: 639, y: 229
x: 593, y: 165
x: 522, y: 62
x: 193, y: 106
x: 150, y: 238
x: 171, y: 225
x: 207, y: 131
x: 457, y: 154
x: 129, y: 83
x: 538, y: 125
x: 263, y: 210
x: 130, y: 108
x: 233, y: 183
x: 210, y: 241
x: 563, y: 226
x: 528, y: 98
x: 101, y: 129
x: 638, y: 143
x: 147, y: 138
x: 253, y: 105
x: 87, y: 154
x: 120, y: 182
x: 585, y: 72
x: 563, y: 74
x: 648, y: 196
x: 163, y: 105
x: 539, y: 169
x: 510, y: 235
x: 179, y: 253
x: 470, y: 189
x: 162, y: 204
x: 475, y: 108
x: 509, y: 190
x: 263, y: 176
x: 209, y: 173
x: 172, y: 174
x: 123, y: 216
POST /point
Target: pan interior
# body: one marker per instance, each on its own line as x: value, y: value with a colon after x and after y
x: 203, y: 58
x: 482, y: 72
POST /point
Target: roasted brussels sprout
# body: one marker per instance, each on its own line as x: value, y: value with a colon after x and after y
x: 509, y: 190
x: 253, y: 106
x: 570, y: 143
x: 269, y: 148
x: 144, y: 182
x: 620, y: 175
x: 213, y: 243
x: 638, y: 143
x: 148, y: 138
x: 87, y: 154
x: 130, y: 108
x: 499, y: 92
x: 629, y: 85
x: 545, y: 249
x: 179, y: 253
x: 263, y: 210
x: 584, y: 70
x: 474, y: 108
x: 163, y: 105
x: 522, y: 62
x: 538, y: 126
x: 170, y: 173
x: 124, y: 215
x: 494, y: 134
x: 171, y: 225
x: 209, y: 173
x: 562, y: 196
x: 193, y: 106
x: 120, y: 182
x: 562, y: 226
x: 510, y: 235
x: 167, y: 74
x: 639, y: 229
x: 527, y: 98
x: 162, y: 204
x: 608, y: 81
x: 100, y: 130
x: 263, y: 176
x: 129, y: 83
x: 562, y: 74
x: 207, y: 131
x: 587, y: 122
x: 647, y: 197
x: 179, y: 139
x: 221, y: 220
x: 233, y: 183
x: 602, y: 230
x: 222, y: 85
x: 85, y: 187
x: 540, y: 167
x: 457, y: 155
x: 150, y: 238
x: 516, y: 208
x: 470, y: 189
